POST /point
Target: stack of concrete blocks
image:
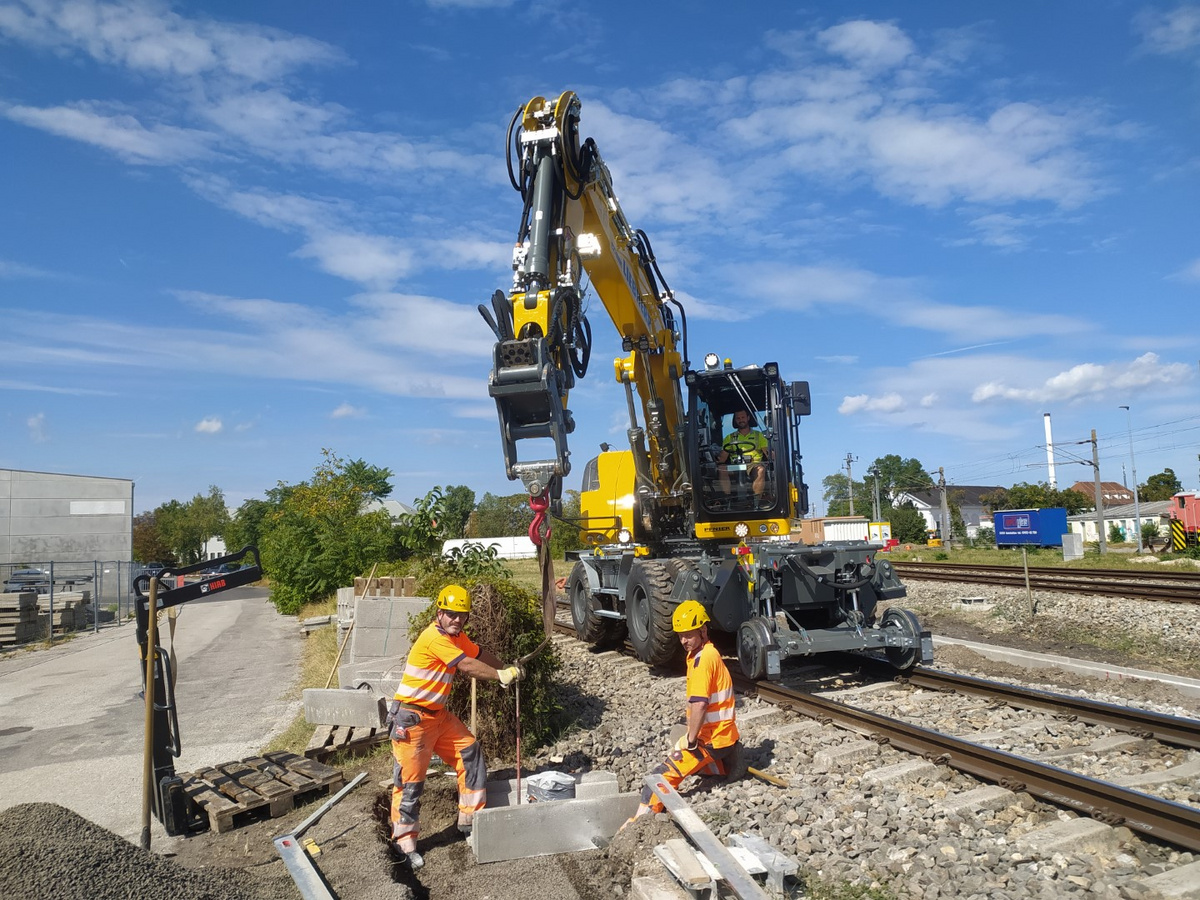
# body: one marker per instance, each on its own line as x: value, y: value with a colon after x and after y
x: 70, y: 610
x: 379, y: 643
x: 504, y: 829
x: 18, y: 618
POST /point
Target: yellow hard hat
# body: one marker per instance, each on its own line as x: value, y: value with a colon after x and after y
x: 455, y: 598
x: 689, y: 615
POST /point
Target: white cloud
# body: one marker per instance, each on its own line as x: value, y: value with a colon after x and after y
x: 37, y: 428
x: 371, y: 260
x: 864, y: 403
x: 1189, y: 273
x: 1089, y: 380
x: 1169, y: 31
x: 868, y: 44
x: 209, y: 425
x: 929, y: 400
x: 121, y: 134
x: 146, y: 36
x: 348, y: 411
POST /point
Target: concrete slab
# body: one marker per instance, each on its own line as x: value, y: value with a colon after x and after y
x: 656, y: 887
x: 1189, y: 686
x: 805, y: 727
x: 1182, y: 883
x: 596, y: 784
x: 379, y: 676
x: 990, y: 796
x: 1099, y: 747
x: 540, y: 829
x: 338, y: 707
x: 843, y: 755
x: 902, y: 771
x: 1073, y: 835
x: 381, y: 626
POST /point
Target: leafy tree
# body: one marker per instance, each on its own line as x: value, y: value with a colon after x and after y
x: 985, y: 537
x: 458, y: 502
x: 248, y: 525
x: 148, y: 542
x: 1162, y: 486
x: 1116, y: 534
x: 566, y: 534
x: 184, y: 527
x: 421, y: 531
x: 316, y: 537
x: 500, y: 516
x: 371, y: 480
x: 1036, y: 496
x: 908, y: 525
x: 837, y: 496
x: 897, y: 475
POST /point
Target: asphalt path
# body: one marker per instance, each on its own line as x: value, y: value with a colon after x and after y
x: 72, y: 720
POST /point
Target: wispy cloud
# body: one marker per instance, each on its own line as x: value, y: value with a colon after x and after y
x: 1169, y: 31
x: 10, y: 269
x: 1189, y: 273
x: 37, y: 428
x: 209, y: 425
x: 1089, y: 380
x: 348, y: 411
x: 887, y: 403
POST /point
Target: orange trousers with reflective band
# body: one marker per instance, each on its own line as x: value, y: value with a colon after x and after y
x: 693, y: 762
x: 441, y: 733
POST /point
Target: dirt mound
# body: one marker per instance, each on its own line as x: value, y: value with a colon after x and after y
x: 50, y: 851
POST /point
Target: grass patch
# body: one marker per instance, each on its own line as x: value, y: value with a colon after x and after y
x: 527, y: 573
x: 316, y: 662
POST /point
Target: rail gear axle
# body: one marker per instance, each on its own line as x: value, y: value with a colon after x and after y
x: 164, y: 790
x: 687, y: 512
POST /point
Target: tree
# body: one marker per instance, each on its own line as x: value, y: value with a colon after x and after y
x: 1036, y: 496
x: 908, y: 525
x: 148, y: 543
x: 421, y: 531
x: 566, y: 534
x: 500, y: 516
x: 184, y: 527
x: 371, y: 480
x: 248, y: 525
x: 316, y: 537
x: 458, y: 502
x: 897, y: 475
x: 837, y: 496
x: 1162, y: 486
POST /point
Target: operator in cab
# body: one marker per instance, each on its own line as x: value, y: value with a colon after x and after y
x: 744, y: 443
x: 420, y: 725
x: 712, y: 744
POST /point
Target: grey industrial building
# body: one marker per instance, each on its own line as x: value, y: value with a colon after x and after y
x: 65, y: 519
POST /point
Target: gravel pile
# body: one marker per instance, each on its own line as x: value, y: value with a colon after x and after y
x: 838, y: 823
x: 50, y: 851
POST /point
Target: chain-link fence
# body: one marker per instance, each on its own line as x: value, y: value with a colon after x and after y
x: 43, y: 599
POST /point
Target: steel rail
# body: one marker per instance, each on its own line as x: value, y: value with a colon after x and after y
x: 1171, y: 587
x: 1179, y: 731
x: 1171, y: 823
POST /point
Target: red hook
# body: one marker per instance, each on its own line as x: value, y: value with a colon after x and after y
x: 539, y: 505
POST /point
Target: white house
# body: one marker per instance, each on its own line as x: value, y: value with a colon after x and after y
x: 1123, y: 517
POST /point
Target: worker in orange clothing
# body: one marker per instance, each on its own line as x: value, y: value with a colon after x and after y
x: 712, y: 742
x: 420, y: 725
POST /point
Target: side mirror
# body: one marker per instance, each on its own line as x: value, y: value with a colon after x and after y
x: 801, y: 399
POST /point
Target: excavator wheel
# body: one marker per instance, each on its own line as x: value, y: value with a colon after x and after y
x: 648, y: 609
x: 590, y: 627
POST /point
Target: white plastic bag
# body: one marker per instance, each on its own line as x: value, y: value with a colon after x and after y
x: 549, y: 785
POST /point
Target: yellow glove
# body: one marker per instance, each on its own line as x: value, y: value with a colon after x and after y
x: 509, y: 675
x: 682, y: 745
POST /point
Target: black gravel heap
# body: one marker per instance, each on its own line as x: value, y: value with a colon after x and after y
x: 48, y: 851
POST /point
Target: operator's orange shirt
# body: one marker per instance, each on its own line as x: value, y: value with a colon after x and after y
x: 430, y: 667
x: 708, y: 679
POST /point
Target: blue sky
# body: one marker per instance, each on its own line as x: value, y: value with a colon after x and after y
x: 235, y: 234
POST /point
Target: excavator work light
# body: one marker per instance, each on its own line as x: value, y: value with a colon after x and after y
x: 711, y: 361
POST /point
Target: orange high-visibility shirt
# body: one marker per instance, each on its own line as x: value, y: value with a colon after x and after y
x: 708, y: 679
x: 430, y: 667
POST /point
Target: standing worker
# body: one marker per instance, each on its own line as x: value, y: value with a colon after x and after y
x: 420, y: 725
x: 712, y: 744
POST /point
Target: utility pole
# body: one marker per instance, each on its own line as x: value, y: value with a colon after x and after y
x: 1137, y: 505
x: 875, y: 474
x: 850, y: 460
x: 1099, y: 495
x: 945, y: 510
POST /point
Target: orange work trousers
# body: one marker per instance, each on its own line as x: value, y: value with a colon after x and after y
x: 704, y: 760
x: 415, y: 738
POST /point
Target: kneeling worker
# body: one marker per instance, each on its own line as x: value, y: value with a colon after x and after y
x: 712, y: 739
x: 420, y: 724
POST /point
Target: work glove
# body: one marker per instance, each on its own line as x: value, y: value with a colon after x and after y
x: 681, y: 745
x: 510, y: 674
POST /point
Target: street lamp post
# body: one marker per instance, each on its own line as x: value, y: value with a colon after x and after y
x: 1137, y: 509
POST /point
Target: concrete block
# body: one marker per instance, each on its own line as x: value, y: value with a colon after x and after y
x: 755, y: 715
x: 1099, y: 747
x: 990, y: 796
x: 807, y: 726
x: 1073, y: 835
x: 596, y: 784
x: 381, y: 627
x: 903, y: 771
x: 504, y: 831
x: 1182, y: 883
x: 380, y: 677
x: 656, y: 887
x: 360, y: 709
x: 843, y: 755
x: 1188, y: 769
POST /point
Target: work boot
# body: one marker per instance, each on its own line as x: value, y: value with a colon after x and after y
x: 736, y: 763
x: 415, y: 859
x: 465, y: 823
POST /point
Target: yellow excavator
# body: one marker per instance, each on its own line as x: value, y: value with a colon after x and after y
x: 701, y: 503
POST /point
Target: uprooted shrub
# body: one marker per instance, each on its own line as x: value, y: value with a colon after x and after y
x: 506, y: 619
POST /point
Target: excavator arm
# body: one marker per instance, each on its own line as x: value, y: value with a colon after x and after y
x: 572, y: 227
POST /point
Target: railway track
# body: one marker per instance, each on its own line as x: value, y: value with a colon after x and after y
x: 1173, y: 823
x: 1173, y: 587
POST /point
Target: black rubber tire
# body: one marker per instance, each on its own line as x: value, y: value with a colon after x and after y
x: 589, y: 627
x: 903, y: 658
x: 648, y: 609
x: 755, y: 638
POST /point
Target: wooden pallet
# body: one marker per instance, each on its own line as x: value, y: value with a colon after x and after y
x: 257, y: 787
x: 330, y: 739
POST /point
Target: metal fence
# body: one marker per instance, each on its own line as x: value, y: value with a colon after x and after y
x: 60, y: 587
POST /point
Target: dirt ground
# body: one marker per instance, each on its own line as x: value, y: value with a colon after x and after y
x: 356, y: 861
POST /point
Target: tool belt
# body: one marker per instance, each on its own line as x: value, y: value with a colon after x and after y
x: 417, y: 709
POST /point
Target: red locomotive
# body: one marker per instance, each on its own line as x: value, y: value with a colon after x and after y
x: 1185, y: 520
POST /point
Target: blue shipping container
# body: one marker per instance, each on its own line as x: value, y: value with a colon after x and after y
x: 1036, y: 527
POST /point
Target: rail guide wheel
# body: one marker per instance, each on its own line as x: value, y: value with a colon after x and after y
x: 903, y: 657
x: 758, y: 653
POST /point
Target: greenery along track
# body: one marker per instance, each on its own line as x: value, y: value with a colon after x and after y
x: 1175, y: 587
